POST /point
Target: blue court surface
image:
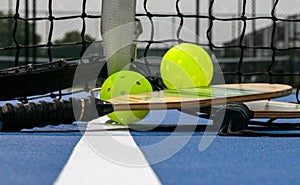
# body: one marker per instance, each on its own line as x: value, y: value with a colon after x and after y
x: 64, y: 155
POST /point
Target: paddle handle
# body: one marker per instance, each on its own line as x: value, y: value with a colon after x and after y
x: 29, y: 115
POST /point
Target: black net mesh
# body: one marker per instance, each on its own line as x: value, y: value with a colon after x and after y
x: 249, y: 46
x: 253, y: 41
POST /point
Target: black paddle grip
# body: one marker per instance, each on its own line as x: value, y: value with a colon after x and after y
x: 20, y: 116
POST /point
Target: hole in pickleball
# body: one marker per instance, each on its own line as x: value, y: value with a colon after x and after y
x: 122, y: 93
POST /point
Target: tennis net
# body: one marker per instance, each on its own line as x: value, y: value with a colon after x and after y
x: 253, y: 41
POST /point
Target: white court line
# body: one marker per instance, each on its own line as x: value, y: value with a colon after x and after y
x: 86, y: 166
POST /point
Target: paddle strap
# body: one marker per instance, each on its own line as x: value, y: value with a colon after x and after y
x: 235, y: 117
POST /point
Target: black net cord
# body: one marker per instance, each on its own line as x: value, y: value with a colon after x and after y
x: 180, y: 15
x: 242, y: 48
x: 51, y: 19
x: 209, y: 30
x: 27, y: 32
x: 16, y: 17
x: 272, y: 46
x: 83, y: 30
x: 34, y: 39
x: 148, y: 13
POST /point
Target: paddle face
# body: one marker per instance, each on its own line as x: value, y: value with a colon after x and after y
x: 274, y: 109
x: 202, y: 96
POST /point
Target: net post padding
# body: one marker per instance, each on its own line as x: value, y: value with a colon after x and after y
x: 117, y: 28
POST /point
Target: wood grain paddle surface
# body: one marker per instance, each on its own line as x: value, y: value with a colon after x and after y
x: 274, y: 109
x: 201, y: 96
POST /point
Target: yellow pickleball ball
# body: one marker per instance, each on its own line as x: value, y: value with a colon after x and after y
x: 124, y: 83
x: 185, y: 66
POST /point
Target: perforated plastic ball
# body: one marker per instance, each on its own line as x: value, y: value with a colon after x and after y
x: 124, y: 83
x: 186, y: 66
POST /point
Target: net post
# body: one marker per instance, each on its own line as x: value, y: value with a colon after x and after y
x: 117, y: 28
